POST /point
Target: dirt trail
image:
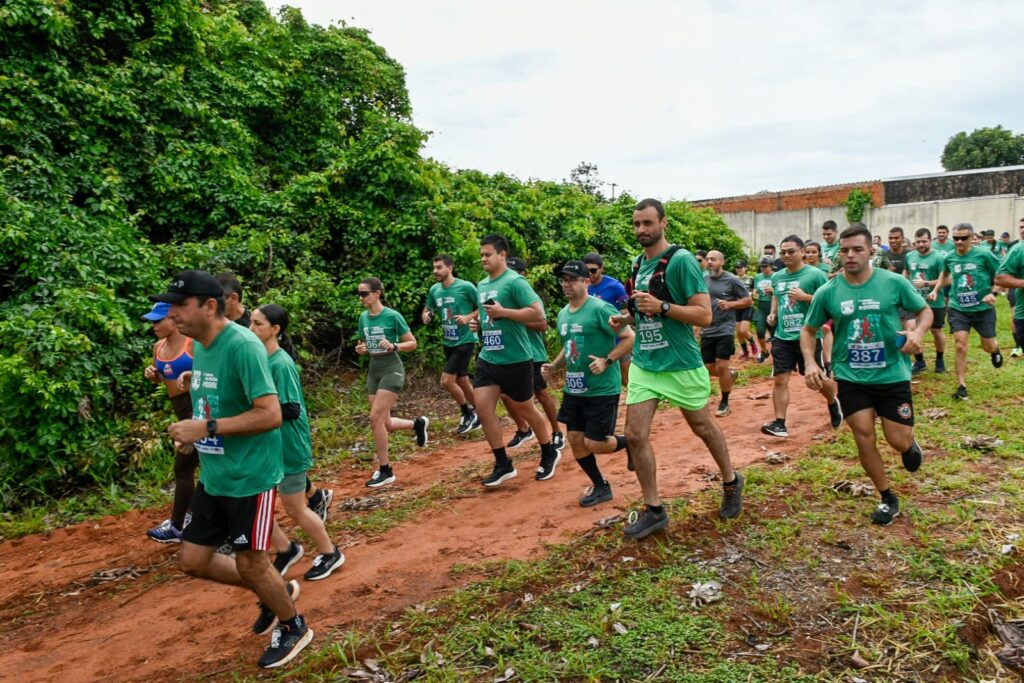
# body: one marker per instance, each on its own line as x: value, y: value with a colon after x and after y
x: 164, y: 626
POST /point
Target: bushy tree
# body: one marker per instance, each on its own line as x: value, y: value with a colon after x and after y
x: 983, y: 148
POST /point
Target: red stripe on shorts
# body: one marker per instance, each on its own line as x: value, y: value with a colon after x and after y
x: 263, y: 523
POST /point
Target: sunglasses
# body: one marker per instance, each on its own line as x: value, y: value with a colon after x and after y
x: 787, y: 252
x: 961, y: 238
x: 593, y: 270
x: 363, y: 293
x: 570, y: 280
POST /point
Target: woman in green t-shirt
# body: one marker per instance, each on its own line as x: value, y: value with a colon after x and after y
x: 270, y: 323
x: 383, y: 333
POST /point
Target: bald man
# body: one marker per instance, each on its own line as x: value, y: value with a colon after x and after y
x: 728, y: 295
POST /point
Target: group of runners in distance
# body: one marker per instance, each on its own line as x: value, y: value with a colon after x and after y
x: 845, y: 313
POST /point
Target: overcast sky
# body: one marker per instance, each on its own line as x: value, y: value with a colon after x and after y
x: 694, y: 100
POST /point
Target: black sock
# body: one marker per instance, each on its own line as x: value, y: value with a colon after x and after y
x: 656, y: 509
x: 547, y: 450
x: 888, y: 496
x: 315, y: 499
x: 466, y: 409
x: 292, y: 624
x: 385, y: 468
x: 743, y: 345
x: 725, y: 396
x: 919, y: 357
x: 733, y: 482
x: 309, y: 484
x: 588, y: 464
x: 938, y: 355
x: 500, y: 457
x: 620, y: 442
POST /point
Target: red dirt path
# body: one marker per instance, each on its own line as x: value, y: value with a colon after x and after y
x: 165, y: 626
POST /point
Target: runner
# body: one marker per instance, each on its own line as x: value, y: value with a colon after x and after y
x: 830, y: 245
x: 994, y: 246
x: 777, y: 263
x: 972, y: 271
x: 270, y: 325
x: 872, y: 373
x: 540, y: 387
x: 1011, y: 276
x: 812, y: 257
x: 702, y: 259
x: 172, y: 356
x: 924, y: 270
x: 235, y: 423
x: 668, y: 298
x: 897, y: 250
x: 457, y: 301
x: 505, y: 366
x: 590, y: 353
x: 762, y: 291
x: 608, y: 289
x: 745, y: 315
x: 383, y: 334
x: 793, y: 288
x: 727, y: 295
x: 942, y: 243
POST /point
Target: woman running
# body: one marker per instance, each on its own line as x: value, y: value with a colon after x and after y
x: 172, y: 356
x: 270, y: 324
x: 383, y: 333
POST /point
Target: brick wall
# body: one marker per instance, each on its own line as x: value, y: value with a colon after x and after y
x: 792, y: 200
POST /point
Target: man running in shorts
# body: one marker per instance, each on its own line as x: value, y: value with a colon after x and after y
x: 236, y: 416
x: 457, y: 302
x: 871, y: 358
x: 1011, y: 276
x: 793, y: 290
x: 972, y: 271
x: 924, y: 270
x: 728, y: 295
x: 608, y: 289
x: 668, y: 298
x: 590, y: 354
x: 762, y: 290
x: 505, y: 364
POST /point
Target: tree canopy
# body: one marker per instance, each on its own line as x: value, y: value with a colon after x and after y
x: 983, y: 148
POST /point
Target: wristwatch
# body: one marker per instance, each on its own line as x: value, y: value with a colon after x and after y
x: 211, y: 428
x: 665, y: 307
x: 608, y: 360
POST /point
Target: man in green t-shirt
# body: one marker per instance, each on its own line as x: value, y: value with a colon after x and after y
x: 972, y: 272
x: 793, y: 288
x: 870, y: 359
x: 456, y: 302
x: 923, y: 267
x: 762, y: 293
x: 1011, y: 276
x: 590, y: 354
x: 829, y: 244
x: 508, y: 305
x: 236, y: 416
x: 942, y: 243
x: 668, y: 297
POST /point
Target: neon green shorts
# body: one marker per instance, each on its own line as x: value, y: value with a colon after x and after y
x: 687, y: 389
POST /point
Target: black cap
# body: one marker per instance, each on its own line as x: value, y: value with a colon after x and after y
x: 741, y: 264
x: 766, y: 261
x: 517, y: 264
x: 593, y: 257
x: 190, y: 283
x: 576, y: 269
x: 988, y: 233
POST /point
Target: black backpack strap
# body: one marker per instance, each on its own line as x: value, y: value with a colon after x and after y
x: 657, y: 286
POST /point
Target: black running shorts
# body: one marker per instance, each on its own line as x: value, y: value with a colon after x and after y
x: 514, y: 379
x: 595, y: 416
x: 982, y: 321
x: 889, y: 401
x: 539, y: 383
x: 245, y: 523
x: 456, y: 359
x: 786, y: 356
x: 744, y: 314
x: 717, y: 348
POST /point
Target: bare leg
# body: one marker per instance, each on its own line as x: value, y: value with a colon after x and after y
x: 204, y: 562
x: 638, y: 431
x: 487, y: 398
x: 939, y: 335
x: 467, y: 389
x: 960, y: 339
x: 704, y: 426
x: 517, y: 415
x: 900, y: 437
x: 263, y: 579
x: 450, y: 384
x: 989, y: 344
x: 550, y: 409
x: 780, y: 395
x: 279, y: 541
x: 295, y: 507
x: 862, y: 424
x: 724, y: 374
x: 383, y: 424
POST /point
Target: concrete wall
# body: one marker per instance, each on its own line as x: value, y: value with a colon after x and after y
x: 999, y: 213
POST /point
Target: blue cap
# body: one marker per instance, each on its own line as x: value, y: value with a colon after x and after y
x: 159, y: 312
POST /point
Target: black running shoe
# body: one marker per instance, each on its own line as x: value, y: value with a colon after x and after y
x: 474, y: 424
x: 558, y: 440
x: 886, y: 512
x: 596, y: 494
x: 267, y: 619
x: 323, y: 508
x: 723, y: 409
x: 940, y: 366
x: 961, y: 393
x: 645, y: 523
x: 732, y: 498
x: 381, y: 477
x: 324, y: 565
x: 285, y: 560
x: 419, y: 425
x: 464, y: 422
x: 547, y: 466
x: 775, y: 428
x: 912, y: 458
x: 835, y: 414
x: 286, y: 644
x: 500, y: 474
x: 997, y: 359
x: 520, y: 438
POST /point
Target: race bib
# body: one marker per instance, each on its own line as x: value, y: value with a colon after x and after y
x: 793, y: 323
x: 575, y: 383
x: 967, y: 299
x: 493, y: 340
x: 867, y: 356
x: 650, y: 335
x: 373, y: 344
x: 211, y: 445
x: 451, y: 332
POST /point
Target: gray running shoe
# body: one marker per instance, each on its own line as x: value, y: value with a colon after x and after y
x: 596, y: 494
x: 286, y: 644
x: 645, y: 523
x: 886, y: 512
x: 732, y: 498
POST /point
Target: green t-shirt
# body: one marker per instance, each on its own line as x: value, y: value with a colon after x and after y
x: 373, y: 329
x: 790, y: 316
x: 866, y: 323
x: 1013, y: 265
x: 929, y: 267
x: 585, y: 333
x: 538, y: 347
x: 830, y: 251
x: 457, y: 299
x: 226, y: 378
x: 823, y: 267
x: 296, y: 446
x: 943, y: 248
x: 997, y: 249
x: 973, y: 275
x: 505, y: 341
x: 663, y: 344
x: 763, y: 291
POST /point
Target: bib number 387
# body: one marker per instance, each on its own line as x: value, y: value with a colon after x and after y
x: 866, y: 356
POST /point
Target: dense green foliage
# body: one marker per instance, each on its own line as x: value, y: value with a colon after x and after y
x: 857, y: 203
x: 983, y: 148
x: 138, y: 138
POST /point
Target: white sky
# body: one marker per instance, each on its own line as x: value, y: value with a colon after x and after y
x: 694, y: 100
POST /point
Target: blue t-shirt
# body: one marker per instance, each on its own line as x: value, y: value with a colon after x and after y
x: 611, y: 290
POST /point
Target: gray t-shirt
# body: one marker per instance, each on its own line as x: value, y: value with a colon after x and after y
x: 730, y: 288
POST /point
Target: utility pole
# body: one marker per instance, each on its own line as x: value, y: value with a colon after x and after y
x: 613, y: 190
